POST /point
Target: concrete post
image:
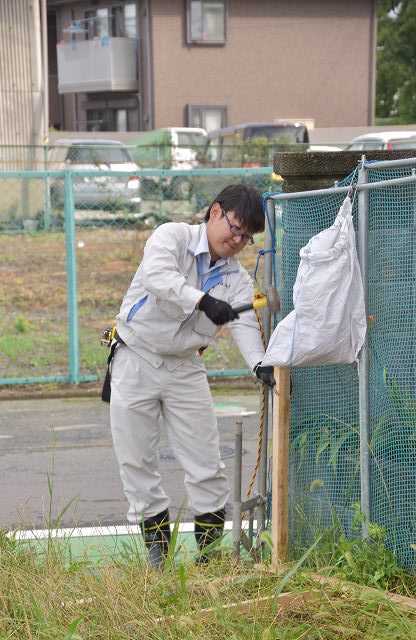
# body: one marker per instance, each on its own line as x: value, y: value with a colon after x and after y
x: 305, y: 171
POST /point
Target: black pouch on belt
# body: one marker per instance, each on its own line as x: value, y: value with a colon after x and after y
x: 106, y: 390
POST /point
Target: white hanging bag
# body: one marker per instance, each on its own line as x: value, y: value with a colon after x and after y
x: 328, y: 323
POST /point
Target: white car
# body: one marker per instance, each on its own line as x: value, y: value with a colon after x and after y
x: 96, y: 192
x: 169, y: 148
x: 323, y: 148
x: 383, y: 140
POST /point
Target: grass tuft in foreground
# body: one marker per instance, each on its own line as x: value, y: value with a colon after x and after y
x: 47, y: 593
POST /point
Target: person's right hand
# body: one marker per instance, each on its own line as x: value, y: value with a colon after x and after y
x: 218, y: 311
x: 265, y: 374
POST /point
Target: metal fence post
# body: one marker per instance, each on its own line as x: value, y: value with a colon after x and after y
x: 238, y: 439
x: 268, y: 280
x: 363, y: 362
x: 47, y: 195
x: 71, y: 279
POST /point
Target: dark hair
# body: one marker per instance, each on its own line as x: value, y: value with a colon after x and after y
x: 246, y: 202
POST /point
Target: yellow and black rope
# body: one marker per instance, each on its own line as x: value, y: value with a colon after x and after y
x: 261, y: 418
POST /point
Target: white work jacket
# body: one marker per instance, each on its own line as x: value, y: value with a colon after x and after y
x: 158, y: 312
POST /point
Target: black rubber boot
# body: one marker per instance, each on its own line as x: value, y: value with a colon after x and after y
x: 208, y: 527
x: 156, y: 534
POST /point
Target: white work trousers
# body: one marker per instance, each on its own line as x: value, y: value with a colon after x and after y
x: 141, y: 395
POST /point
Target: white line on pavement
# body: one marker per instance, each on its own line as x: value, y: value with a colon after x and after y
x: 88, y: 532
x: 71, y: 427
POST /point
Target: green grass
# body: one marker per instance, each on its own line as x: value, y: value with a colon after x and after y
x: 34, y: 322
x: 102, y: 588
x: 47, y: 593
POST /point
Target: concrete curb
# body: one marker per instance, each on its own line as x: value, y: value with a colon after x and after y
x: 93, y: 389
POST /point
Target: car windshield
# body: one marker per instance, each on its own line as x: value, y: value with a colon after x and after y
x: 284, y: 133
x: 190, y: 139
x: 98, y: 154
x: 404, y: 144
x: 379, y: 143
x: 366, y: 144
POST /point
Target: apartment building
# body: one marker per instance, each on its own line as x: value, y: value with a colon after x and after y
x: 21, y: 86
x: 153, y: 63
x: 144, y: 64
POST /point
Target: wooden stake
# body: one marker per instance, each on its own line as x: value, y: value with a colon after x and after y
x: 361, y: 591
x: 280, y: 465
x: 285, y: 600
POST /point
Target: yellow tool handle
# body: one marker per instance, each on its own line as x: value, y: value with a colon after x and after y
x: 258, y: 303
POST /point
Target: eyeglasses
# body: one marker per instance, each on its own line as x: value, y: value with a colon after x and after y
x: 236, y: 231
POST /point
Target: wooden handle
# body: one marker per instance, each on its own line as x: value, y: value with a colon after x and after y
x: 280, y: 471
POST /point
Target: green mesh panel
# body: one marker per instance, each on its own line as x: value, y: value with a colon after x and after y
x: 324, y: 454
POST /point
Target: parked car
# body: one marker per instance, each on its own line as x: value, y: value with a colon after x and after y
x: 383, y: 140
x: 96, y: 192
x: 323, y: 148
x: 169, y: 148
x: 252, y: 144
x: 247, y: 145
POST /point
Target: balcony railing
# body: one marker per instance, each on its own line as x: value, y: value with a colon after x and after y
x: 97, y: 65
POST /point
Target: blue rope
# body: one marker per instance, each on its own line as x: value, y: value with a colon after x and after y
x: 349, y: 179
x: 260, y: 254
x: 266, y: 196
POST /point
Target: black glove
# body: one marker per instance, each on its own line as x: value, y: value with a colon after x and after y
x: 265, y: 374
x: 218, y: 311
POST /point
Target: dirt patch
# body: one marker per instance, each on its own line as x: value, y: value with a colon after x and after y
x: 93, y: 389
x: 34, y: 326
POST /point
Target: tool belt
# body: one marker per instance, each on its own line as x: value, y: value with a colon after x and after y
x: 111, y: 339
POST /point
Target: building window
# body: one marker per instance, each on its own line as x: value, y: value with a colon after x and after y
x: 118, y: 21
x: 108, y: 119
x: 208, y: 117
x: 130, y: 20
x: 96, y: 23
x: 205, y: 21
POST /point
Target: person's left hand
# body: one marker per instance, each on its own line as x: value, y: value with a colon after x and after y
x: 265, y: 374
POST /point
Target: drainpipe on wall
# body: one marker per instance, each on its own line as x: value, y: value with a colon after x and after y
x: 139, y: 78
x: 74, y: 112
x: 45, y: 83
x: 372, y: 64
x: 149, y: 67
x: 44, y: 22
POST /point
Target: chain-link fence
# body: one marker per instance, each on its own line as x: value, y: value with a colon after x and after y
x: 70, y: 243
x: 120, y: 184
x: 340, y: 416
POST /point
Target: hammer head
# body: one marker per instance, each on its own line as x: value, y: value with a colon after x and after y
x: 273, y: 300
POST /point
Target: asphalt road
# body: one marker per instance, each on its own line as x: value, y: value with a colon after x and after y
x: 58, y: 467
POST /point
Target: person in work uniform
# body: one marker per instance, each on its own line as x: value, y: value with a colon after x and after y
x: 183, y: 291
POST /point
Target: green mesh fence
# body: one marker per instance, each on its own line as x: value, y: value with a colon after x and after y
x: 325, y: 430
x: 65, y: 269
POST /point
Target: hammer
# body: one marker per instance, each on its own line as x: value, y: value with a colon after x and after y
x: 269, y: 299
